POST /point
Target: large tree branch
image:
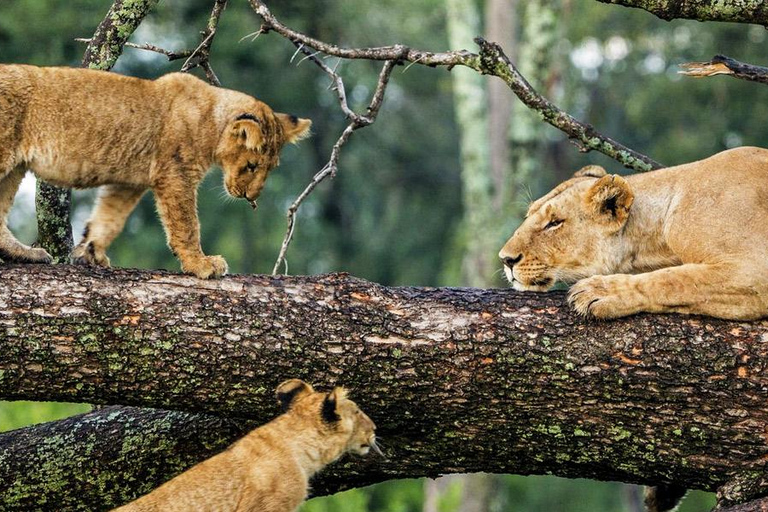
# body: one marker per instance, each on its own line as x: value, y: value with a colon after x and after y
x: 459, y: 380
x: 740, y: 11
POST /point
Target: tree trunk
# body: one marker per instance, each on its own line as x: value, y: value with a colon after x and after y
x: 536, y: 55
x: 54, y: 224
x: 458, y: 380
x: 501, y: 28
x: 470, y: 101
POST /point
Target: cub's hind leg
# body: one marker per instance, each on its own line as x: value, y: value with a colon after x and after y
x: 11, y: 250
x: 114, y: 204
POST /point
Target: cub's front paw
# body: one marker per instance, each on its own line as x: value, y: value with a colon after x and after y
x: 87, y: 254
x: 26, y: 255
x: 206, y: 267
x: 597, y: 297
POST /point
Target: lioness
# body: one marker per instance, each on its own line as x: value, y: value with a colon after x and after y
x: 268, y: 470
x: 83, y: 128
x: 688, y: 239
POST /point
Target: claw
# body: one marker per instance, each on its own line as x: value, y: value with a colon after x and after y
x: 253, y: 203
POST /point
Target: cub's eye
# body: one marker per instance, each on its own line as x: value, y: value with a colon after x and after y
x: 251, y: 166
x: 554, y: 223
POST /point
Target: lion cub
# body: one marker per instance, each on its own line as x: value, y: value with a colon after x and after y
x: 84, y: 128
x: 688, y: 239
x: 269, y: 469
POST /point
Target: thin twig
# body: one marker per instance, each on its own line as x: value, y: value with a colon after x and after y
x: 722, y: 65
x: 150, y: 48
x: 330, y: 168
x: 200, y: 56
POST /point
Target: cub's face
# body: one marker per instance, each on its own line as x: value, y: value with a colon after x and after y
x: 570, y: 233
x: 332, y: 413
x: 250, y: 148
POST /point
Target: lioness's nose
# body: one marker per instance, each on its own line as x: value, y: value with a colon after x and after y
x: 511, y: 261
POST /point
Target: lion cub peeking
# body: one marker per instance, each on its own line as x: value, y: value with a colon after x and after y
x: 268, y: 470
x: 688, y: 239
x: 83, y: 128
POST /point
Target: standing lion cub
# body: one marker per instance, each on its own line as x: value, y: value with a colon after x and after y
x: 687, y: 239
x: 83, y: 128
x: 269, y: 469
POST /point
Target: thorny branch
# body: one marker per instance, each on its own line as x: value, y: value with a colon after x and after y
x: 356, y: 121
x: 201, y: 56
x: 150, y: 48
x: 492, y: 61
x: 722, y: 65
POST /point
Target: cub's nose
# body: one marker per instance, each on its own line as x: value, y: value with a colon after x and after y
x: 511, y: 261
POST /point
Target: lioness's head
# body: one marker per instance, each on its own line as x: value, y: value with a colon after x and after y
x: 330, y: 413
x: 569, y: 233
x: 250, y: 147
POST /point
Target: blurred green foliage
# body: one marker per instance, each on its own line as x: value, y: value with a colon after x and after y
x: 392, y: 213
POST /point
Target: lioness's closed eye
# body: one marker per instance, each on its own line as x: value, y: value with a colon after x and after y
x: 83, y: 128
x: 269, y: 469
x: 686, y: 239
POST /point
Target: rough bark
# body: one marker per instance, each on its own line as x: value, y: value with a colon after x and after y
x: 740, y: 11
x: 459, y: 380
x: 54, y: 225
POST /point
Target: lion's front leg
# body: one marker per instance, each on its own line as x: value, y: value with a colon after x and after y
x: 715, y: 290
x: 177, y: 204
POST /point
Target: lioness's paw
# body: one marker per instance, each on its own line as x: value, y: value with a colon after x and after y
x: 207, y: 267
x: 595, y: 297
x: 87, y: 254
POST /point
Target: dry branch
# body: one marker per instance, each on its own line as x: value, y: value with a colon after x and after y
x: 490, y: 61
x: 459, y: 380
x: 722, y: 65
x: 201, y: 56
x: 330, y: 168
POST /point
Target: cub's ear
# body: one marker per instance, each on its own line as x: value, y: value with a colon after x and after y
x: 594, y: 171
x: 290, y: 390
x: 329, y: 411
x: 294, y: 128
x: 247, y: 129
x: 610, y: 199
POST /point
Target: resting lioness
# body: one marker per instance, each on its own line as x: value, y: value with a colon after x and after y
x: 688, y: 239
x: 84, y: 128
x: 269, y: 469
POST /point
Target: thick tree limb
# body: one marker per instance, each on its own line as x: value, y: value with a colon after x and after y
x: 740, y: 11
x: 722, y: 65
x: 459, y: 380
x: 491, y: 61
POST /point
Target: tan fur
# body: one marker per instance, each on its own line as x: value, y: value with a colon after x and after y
x: 269, y: 469
x: 83, y: 128
x: 689, y: 239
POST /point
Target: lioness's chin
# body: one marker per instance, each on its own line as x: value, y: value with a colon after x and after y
x: 541, y: 286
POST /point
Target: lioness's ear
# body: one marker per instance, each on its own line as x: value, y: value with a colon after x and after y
x: 610, y: 198
x: 290, y: 390
x: 294, y: 128
x: 329, y: 411
x: 247, y: 128
x: 594, y: 171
